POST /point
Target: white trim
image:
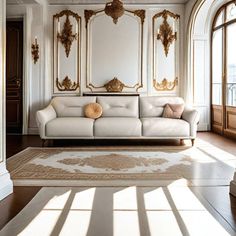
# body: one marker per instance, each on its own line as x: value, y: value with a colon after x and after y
x: 6, y: 185
x: 33, y: 131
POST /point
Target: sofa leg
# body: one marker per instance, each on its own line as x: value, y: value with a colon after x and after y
x: 181, y: 142
x: 43, y: 142
x: 193, y: 140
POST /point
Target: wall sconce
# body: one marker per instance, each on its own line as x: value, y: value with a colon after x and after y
x: 165, y: 33
x: 66, y: 37
x: 35, y: 50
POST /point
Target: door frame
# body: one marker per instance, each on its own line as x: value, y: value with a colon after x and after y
x: 26, y: 68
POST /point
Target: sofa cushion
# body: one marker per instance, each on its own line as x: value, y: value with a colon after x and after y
x: 71, y: 106
x: 117, y: 127
x: 165, y: 127
x: 173, y: 111
x: 154, y: 106
x: 70, y: 127
x: 93, y: 110
x: 117, y: 106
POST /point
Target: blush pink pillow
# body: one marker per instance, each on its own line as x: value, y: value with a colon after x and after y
x: 173, y: 111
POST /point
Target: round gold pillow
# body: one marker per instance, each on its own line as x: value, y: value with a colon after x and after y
x: 93, y: 110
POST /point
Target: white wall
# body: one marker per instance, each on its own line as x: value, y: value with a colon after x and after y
x: 38, y: 77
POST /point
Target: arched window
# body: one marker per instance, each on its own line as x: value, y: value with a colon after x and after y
x: 223, y: 68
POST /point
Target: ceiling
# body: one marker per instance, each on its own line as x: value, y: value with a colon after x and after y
x: 68, y: 2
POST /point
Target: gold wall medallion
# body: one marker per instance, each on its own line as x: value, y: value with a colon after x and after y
x: 114, y: 85
x: 35, y: 50
x: 165, y: 32
x: 115, y: 10
x: 67, y: 85
x: 165, y: 85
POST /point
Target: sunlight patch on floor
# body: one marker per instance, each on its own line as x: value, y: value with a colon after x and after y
x: 125, y: 199
x: 163, y: 223
x: 156, y: 200
x: 171, y: 210
x: 217, y: 153
x: 83, y: 200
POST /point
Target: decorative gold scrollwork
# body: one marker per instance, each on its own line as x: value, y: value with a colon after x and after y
x: 67, y: 85
x: 115, y: 10
x: 165, y: 32
x: 165, y: 85
x: 114, y: 85
x: 66, y: 37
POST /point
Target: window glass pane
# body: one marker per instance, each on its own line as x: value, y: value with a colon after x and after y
x: 231, y: 12
x: 231, y: 65
x: 217, y: 63
x: 220, y: 19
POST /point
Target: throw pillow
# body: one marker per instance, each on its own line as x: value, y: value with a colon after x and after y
x: 173, y: 111
x: 93, y: 110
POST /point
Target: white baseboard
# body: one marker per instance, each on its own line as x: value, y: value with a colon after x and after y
x: 6, y: 186
x: 33, y: 131
x: 203, y: 127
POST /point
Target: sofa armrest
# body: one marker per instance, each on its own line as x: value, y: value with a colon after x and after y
x: 43, y: 117
x: 192, y: 117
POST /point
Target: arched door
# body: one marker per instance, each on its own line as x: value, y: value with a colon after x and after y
x: 223, y: 71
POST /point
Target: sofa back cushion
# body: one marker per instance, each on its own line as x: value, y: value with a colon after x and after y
x: 71, y: 106
x: 154, y: 106
x: 118, y: 106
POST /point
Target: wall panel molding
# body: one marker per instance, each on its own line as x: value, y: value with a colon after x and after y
x: 67, y: 52
x: 114, y: 50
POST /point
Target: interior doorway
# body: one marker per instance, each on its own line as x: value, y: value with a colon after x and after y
x: 14, y: 76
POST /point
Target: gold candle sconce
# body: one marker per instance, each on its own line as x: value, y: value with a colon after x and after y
x: 35, y: 50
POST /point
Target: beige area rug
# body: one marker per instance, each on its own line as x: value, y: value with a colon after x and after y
x: 117, y: 211
x: 117, y: 167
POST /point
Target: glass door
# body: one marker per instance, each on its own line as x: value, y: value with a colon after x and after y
x: 223, y: 88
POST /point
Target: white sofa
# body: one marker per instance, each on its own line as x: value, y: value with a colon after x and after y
x: 123, y: 117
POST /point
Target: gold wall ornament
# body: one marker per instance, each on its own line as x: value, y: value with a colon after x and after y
x: 165, y: 32
x: 35, y: 50
x: 67, y: 85
x: 114, y: 85
x: 66, y: 37
x: 115, y: 10
x: 165, y: 85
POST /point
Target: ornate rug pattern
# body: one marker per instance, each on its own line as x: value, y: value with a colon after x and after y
x: 52, y: 166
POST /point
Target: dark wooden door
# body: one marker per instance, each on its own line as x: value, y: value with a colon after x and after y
x: 14, y: 76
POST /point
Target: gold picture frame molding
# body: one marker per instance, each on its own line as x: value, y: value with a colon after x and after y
x: 67, y: 84
x: 165, y: 84
x: 141, y: 14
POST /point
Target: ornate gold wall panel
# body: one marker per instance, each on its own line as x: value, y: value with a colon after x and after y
x: 66, y: 36
x: 163, y: 32
x: 89, y: 15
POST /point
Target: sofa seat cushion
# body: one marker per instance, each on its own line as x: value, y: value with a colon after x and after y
x: 70, y: 127
x: 118, y: 127
x: 165, y: 127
